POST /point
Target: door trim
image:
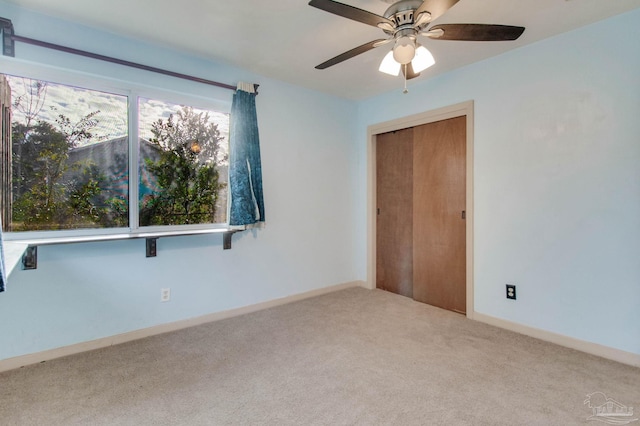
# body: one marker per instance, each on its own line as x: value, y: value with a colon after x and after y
x: 457, y: 110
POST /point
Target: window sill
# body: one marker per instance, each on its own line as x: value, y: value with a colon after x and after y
x: 24, y: 251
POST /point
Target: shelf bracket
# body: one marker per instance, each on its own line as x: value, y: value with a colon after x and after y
x: 226, y: 240
x: 152, y: 247
x: 30, y: 258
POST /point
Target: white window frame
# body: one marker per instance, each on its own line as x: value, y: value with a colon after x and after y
x: 133, y: 92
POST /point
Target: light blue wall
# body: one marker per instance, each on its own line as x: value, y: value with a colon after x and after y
x: 88, y: 291
x: 557, y: 178
x: 557, y: 195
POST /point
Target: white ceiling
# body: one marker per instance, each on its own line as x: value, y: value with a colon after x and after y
x: 286, y: 39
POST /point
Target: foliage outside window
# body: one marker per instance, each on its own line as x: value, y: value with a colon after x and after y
x: 69, y: 160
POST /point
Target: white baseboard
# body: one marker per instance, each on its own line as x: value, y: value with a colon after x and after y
x: 566, y: 341
x: 35, y: 358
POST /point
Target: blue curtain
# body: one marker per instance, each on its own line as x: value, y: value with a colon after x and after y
x: 245, y: 170
x: 3, y: 271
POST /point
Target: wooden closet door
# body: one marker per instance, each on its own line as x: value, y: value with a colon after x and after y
x: 394, y: 195
x: 439, y: 230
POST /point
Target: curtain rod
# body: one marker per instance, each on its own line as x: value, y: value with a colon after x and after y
x: 9, y: 50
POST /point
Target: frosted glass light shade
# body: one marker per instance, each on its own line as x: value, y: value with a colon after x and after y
x: 389, y: 65
x: 422, y: 60
x: 404, y: 50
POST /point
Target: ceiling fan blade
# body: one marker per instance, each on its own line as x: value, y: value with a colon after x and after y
x: 435, y: 7
x: 408, y: 72
x: 350, y: 12
x: 350, y: 54
x: 475, y: 32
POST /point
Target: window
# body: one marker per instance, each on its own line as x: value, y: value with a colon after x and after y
x: 70, y: 156
x: 183, y: 164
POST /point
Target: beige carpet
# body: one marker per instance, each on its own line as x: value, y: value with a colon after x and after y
x: 351, y: 357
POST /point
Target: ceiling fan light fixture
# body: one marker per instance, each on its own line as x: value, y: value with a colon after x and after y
x: 404, y: 50
x: 389, y: 65
x: 403, y: 22
x: 422, y: 60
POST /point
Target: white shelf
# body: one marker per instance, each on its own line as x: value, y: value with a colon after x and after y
x: 14, y: 250
x: 115, y: 237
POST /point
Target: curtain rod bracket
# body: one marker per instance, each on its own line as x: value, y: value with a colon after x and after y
x: 8, y: 44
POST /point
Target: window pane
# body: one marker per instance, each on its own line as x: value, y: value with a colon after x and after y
x: 69, y: 157
x: 183, y: 164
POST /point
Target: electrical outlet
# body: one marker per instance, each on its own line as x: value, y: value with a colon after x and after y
x: 165, y: 294
x: 511, y: 291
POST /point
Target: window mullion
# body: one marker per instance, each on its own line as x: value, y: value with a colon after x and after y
x: 134, y: 168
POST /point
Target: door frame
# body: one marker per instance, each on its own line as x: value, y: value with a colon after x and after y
x: 452, y: 111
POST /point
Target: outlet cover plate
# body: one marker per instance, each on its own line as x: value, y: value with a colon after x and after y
x: 511, y: 291
x: 165, y: 294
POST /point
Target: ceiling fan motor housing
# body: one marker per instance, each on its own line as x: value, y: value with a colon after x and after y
x: 402, y: 14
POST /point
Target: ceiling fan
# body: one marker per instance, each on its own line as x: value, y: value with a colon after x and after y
x: 403, y: 22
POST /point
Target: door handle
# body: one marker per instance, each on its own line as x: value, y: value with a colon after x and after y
x: 464, y: 214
